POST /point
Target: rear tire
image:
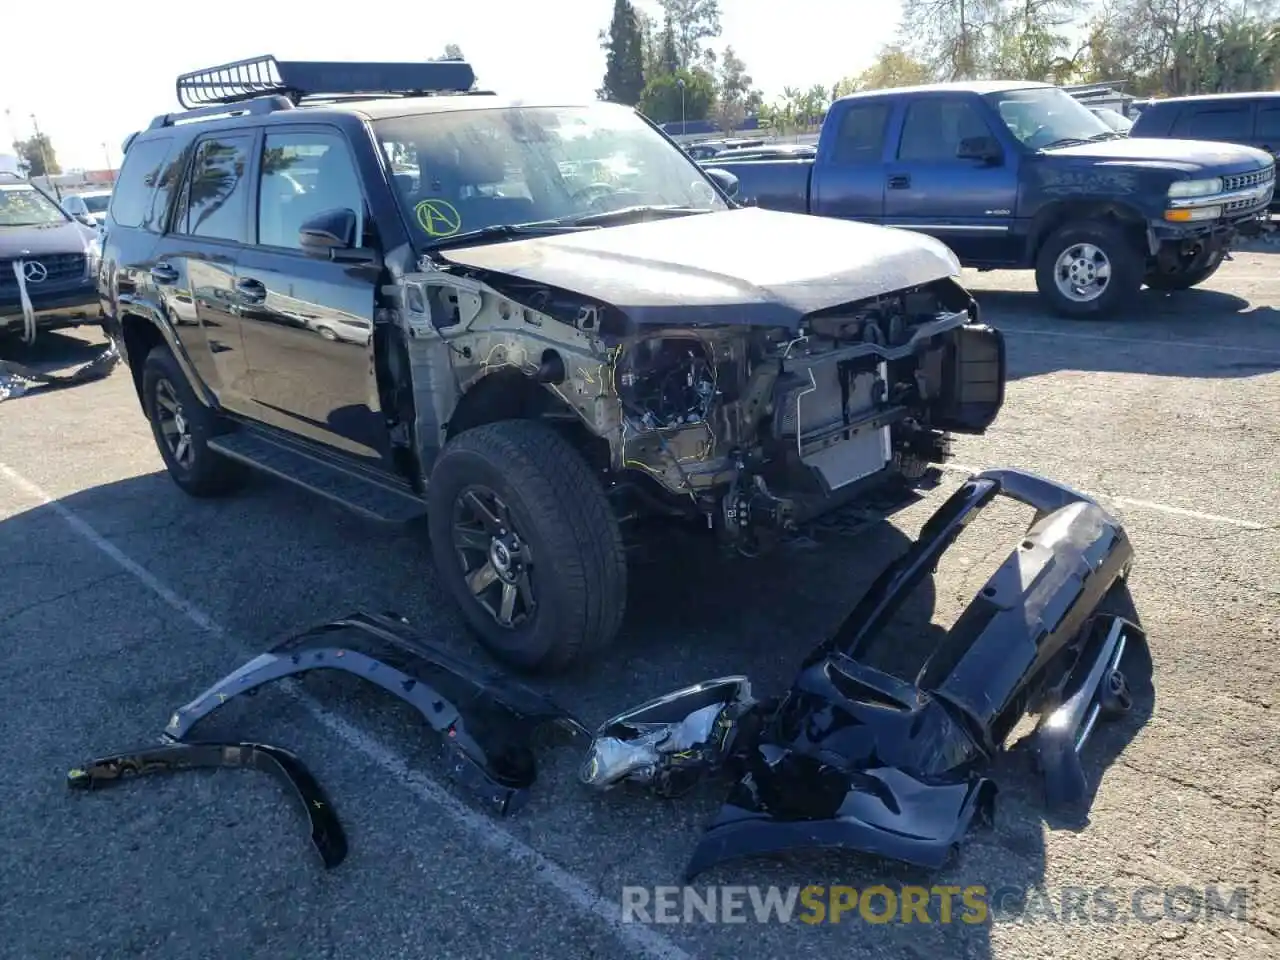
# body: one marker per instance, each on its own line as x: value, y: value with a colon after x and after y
x: 520, y: 528
x: 182, y: 426
x: 1078, y: 253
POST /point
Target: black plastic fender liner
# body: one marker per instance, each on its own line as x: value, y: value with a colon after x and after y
x: 489, y: 722
x: 15, y: 377
x: 326, y: 831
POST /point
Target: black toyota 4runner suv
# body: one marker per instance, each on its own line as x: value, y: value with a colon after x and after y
x: 529, y: 324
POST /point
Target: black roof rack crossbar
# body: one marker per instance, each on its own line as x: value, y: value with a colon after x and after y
x: 299, y: 79
x: 258, y: 105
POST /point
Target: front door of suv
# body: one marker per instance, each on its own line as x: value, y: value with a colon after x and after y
x: 309, y: 320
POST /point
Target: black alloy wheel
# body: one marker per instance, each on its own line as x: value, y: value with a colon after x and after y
x: 497, y: 563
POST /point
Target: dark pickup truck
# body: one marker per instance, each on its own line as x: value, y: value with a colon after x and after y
x: 1018, y: 175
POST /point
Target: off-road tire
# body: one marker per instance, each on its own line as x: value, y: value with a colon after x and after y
x: 579, y: 568
x: 209, y: 474
x: 1184, y: 279
x: 1127, y: 265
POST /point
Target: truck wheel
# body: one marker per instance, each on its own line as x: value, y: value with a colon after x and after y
x: 526, y: 542
x: 1184, y: 279
x: 182, y: 426
x: 1087, y: 270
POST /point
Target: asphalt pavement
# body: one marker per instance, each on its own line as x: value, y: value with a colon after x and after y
x: 121, y: 598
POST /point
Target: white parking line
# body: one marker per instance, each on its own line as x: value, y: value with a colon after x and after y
x: 968, y: 470
x: 1138, y: 341
x: 643, y: 939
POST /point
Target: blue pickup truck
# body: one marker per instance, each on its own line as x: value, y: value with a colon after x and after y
x: 1019, y: 175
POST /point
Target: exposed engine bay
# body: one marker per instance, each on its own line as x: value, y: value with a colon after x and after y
x: 750, y: 428
x: 848, y: 758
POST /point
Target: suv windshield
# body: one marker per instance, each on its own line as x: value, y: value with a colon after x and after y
x: 460, y: 171
x: 22, y: 205
x: 1045, y: 116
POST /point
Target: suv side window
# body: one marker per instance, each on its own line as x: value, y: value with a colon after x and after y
x: 305, y: 173
x: 214, y: 198
x: 1216, y: 122
x: 1267, y: 125
x: 934, y: 127
x: 131, y: 201
x: 860, y: 138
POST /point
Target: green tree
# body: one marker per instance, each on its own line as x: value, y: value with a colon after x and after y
x: 661, y: 100
x: 734, y: 92
x: 624, y: 57
x: 669, y: 56
x: 951, y: 36
x: 893, y: 67
x: 693, y: 22
x: 37, y: 156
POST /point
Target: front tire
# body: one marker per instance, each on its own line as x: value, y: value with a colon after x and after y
x: 182, y: 426
x: 1087, y: 270
x: 525, y: 541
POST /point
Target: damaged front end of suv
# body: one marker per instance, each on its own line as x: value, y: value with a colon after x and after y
x: 751, y: 404
x: 574, y: 347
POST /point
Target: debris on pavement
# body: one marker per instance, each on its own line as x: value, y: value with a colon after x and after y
x: 326, y: 832
x: 850, y: 757
x: 17, y: 379
x: 854, y: 758
x: 490, y: 723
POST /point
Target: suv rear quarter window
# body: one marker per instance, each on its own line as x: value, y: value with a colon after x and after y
x: 133, y: 200
x: 1266, y: 128
x: 1203, y: 121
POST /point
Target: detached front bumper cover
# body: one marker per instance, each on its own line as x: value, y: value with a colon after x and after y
x: 854, y: 758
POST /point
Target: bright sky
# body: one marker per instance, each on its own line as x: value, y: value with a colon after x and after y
x: 122, y: 62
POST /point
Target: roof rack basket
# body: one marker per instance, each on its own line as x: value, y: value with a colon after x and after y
x: 313, y: 80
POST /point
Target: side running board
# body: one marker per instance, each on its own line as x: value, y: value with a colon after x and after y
x: 362, y: 491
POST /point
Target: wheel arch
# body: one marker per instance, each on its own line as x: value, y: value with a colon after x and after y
x: 1061, y: 212
x: 509, y: 394
x: 141, y: 334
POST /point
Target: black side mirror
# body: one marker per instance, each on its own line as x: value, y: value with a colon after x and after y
x: 329, y: 230
x: 725, y: 180
x: 982, y: 149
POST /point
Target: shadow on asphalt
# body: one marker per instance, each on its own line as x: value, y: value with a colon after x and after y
x: 55, y: 351
x: 1215, y: 335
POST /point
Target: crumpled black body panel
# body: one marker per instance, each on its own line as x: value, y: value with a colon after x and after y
x: 853, y: 758
x: 489, y: 722
x: 15, y: 378
x: 326, y: 832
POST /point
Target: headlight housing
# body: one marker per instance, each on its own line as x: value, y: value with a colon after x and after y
x: 1195, y: 188
x: 92, y: 258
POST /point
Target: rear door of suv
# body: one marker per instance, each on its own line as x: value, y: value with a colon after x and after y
x: 308, y: 320
x: 193, y: 265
